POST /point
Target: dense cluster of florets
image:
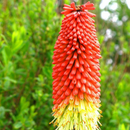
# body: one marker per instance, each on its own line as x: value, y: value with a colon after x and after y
x: 76, y: 86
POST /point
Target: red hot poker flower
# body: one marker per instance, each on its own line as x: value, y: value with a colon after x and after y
x: 76, y: 87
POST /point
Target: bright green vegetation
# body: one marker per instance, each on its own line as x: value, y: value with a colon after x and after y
x: 28, y: 31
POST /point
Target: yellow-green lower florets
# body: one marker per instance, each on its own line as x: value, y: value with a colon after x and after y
x: 84, y: 116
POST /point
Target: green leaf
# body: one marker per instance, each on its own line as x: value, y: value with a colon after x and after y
x: 11, y: 80
x: 2, y: 112
x: 17, y: 125
x: 101, y: 39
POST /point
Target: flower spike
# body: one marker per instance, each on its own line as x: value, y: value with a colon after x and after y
x: 76, y: 87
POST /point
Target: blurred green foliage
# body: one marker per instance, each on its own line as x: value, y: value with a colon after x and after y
x: 28, y: 32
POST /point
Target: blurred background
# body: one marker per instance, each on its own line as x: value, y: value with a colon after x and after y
x: 28, y: 32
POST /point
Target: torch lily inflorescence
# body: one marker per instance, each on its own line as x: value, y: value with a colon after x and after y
x: 76, y: 87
